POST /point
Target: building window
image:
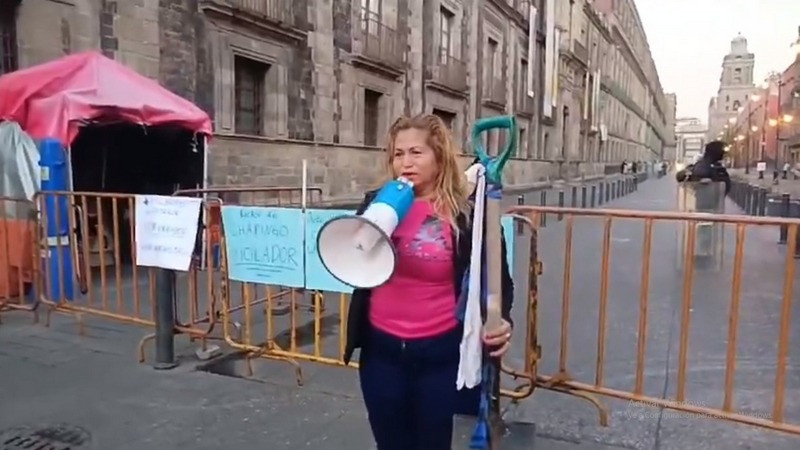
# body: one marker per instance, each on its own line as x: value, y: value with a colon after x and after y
x: 446, y: 18
x: 545, y: 145
x: 8, y: 37
x: 522, y: 144
x: 370, y: 16
x: 249, y: 95
x: 447, y: 117
x: 372, y: 101
x: 491, y: 61
x: 523, y: 73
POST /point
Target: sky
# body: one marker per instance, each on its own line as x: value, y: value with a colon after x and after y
x: 689, y: 38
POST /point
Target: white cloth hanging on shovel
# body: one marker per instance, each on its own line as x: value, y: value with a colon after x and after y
x: 470, y: 362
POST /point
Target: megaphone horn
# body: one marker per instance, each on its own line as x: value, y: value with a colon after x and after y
x: 358, y: 250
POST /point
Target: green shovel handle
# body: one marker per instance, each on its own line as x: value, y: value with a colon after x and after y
x: 494, y: 165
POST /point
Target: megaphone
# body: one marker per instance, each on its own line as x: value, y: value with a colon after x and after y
x: 358, y: 250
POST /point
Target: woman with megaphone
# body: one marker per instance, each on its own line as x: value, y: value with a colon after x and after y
x: 408, y: 329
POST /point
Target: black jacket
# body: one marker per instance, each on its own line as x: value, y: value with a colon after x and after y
x: 709, y: 167
x: 358, y: 314
x: 705, y: 169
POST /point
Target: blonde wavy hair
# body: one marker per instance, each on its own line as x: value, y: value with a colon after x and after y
x: 450, y: 187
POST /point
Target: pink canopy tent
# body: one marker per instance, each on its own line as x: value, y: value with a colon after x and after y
x: 55, y: 98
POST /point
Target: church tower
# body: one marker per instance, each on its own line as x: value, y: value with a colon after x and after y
x: 735, y: 86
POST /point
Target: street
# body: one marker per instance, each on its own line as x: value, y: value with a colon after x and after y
x: 52, y: 376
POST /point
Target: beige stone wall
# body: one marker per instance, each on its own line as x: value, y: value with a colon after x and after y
x: 343, y: 172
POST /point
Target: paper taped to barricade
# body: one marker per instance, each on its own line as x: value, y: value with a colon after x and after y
x: 166, y: 231
x: 317, y: 276
x: 264, y: 245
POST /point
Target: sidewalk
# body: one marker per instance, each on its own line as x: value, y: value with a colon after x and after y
x: 93, y: 388
x: 790, y: 185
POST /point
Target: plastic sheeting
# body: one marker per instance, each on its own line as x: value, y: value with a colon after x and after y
x: 19, y: 163
x: 55, y: 98
x: 19, y: 181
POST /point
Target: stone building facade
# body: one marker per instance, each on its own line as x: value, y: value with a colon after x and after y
x: 691, y: 139
x: 633, y: 105
x: 671, y: 145
x: 321, y: 80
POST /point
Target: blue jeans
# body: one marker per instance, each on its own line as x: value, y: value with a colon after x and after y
x: 409, y: 389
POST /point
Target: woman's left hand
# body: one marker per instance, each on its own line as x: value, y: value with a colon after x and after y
x: 499, y: 339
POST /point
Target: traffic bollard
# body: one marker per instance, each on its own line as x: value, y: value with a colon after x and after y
x: 520, y: 202
x: 593, y: 194
x: 583, y: 196
x: 601, y: 197
x: 785, y: 205
x: 165, y: 320
x: 762, y: 201
x: 560, y: 203
x: 573, y: 201
x: 608, y: 192
x: 748, y: 198
x: 543, y: 202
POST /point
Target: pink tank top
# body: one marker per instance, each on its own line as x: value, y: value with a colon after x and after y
x: 419, y: 300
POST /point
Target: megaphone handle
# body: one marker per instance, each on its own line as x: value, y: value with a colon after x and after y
x: 494, y: 261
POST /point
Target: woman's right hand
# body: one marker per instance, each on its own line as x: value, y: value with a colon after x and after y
x: 472, y: 176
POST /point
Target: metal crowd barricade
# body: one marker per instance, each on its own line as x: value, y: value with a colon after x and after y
x: 708, y: 245
x: 318, y: 334
x: 206, y: 278
x: 102, y: 264
x: 101, y: 242
x: 103, y: 279
x: 564, y: 381
x: 19, y: 262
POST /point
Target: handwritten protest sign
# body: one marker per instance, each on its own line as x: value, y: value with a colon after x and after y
x: 317, y: 277
x: 166, y: 231
x: 264, y: 245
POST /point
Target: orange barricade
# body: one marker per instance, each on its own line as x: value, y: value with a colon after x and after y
x: 18, y: 259
x: 208, y: 258
x: 602, y: 293
x: 101, y: 240
x: 318, y: 333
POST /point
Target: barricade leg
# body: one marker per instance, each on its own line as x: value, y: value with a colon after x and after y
x: 165, y: 320
x: 797, y: 244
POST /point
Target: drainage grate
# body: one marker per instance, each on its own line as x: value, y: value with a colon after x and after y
x: 55, y: 437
